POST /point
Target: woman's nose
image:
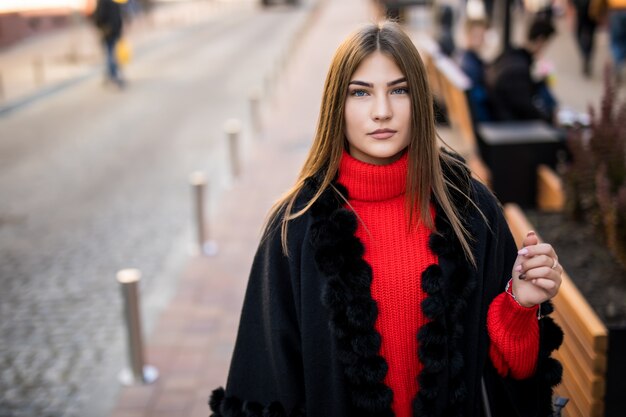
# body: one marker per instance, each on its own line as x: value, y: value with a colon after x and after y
x: 381, y: 109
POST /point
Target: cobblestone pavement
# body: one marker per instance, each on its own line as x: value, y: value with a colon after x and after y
x: 95, y: 180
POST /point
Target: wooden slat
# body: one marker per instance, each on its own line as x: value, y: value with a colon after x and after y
x: 580, y: 392
x: 591, y: 337
x: 581, y: 350
x: 571, y: 301
x: 550, y: 195
x: 586, y: 377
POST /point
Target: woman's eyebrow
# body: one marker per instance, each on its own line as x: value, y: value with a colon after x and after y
x: 398, y: 81
x: 370, y: 85
x: 363, y: 83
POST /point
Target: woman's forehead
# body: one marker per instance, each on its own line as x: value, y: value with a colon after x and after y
x: 377, y: 67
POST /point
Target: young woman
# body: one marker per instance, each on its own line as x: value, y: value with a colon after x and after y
x: 387, y: 281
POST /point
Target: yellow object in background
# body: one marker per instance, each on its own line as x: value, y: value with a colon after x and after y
x: 123, y: 52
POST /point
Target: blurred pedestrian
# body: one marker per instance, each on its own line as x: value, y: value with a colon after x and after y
x: 473, y: 66
x: 615, y: 12
x: 585, y: 33
x: 108, y: 19
x: 387, y: 282
x: 444, y: 18
x: 514, y: 92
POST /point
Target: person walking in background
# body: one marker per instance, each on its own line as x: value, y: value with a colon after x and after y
x: 514, y: 93
x: 615, y: 12
x: 585, y: 33
x: 473, y: 66
x: 444, y: 18
x: 387, y: 282
x: 108, y: 19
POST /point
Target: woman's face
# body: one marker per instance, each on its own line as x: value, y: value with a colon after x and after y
x: 378, y: 111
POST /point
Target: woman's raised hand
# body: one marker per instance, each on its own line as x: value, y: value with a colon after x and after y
x: 536, y: 272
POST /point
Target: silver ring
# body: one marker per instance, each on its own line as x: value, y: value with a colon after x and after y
x: 555, y: 264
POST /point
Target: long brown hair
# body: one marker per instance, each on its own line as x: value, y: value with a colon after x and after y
x: 424, y: 173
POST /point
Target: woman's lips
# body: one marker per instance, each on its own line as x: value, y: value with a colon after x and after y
x: 382, y: 134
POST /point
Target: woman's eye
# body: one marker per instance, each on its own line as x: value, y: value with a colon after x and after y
x: 358, y: 93
x: 400, y: 90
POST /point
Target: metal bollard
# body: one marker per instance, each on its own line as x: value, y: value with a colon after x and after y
x: 255, y: 110
x: 38, y: 71
x: 198, y: 182
x: 138, y: 373
x: 232, y: 127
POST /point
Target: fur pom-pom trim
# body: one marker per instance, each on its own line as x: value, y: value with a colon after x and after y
x: 216, y: 398
x: 222, y: 406
x: 440, y: 339
x: 347, y: 296
x: 553, y: 371
x: 553, y: 335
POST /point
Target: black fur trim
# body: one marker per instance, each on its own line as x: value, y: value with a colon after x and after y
x: 275, y: 409
x: 222, y: 406
x: 431, y: 279
x: 549, y: 370
x: 216, y: 398
x: 447, y: 297
x: 547, y: 308
x: 232, y: 406
x: 252, y: 409
x: 347, y: 296
x: 553, y: 335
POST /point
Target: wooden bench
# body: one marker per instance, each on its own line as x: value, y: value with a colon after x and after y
x: 550, y: 195
x: 584, y: 350
x: 449, y: 85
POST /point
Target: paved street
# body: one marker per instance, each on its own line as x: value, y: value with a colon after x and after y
x: 94, y: 180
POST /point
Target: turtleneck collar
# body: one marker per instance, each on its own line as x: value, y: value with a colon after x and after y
x: 368, y: 182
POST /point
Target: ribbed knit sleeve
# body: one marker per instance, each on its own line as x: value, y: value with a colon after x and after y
x: 514, y: 333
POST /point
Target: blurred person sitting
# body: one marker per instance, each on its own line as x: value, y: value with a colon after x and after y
x: 473, y: 66
x: 615, y: 12
x: 108, y: 19
x: 514, y: 92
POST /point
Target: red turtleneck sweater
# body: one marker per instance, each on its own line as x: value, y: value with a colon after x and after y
x: 398, y: 257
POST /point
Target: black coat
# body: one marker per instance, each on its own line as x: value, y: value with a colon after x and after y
x: 307, y: 343
x: 513, y: 92
x: 108, y: 19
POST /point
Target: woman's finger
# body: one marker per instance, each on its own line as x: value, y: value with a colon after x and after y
x: 549, y: 285
x: 537, y: 261
x: 530, y: 239
x: 539, y: 249
x: 535, y: 273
